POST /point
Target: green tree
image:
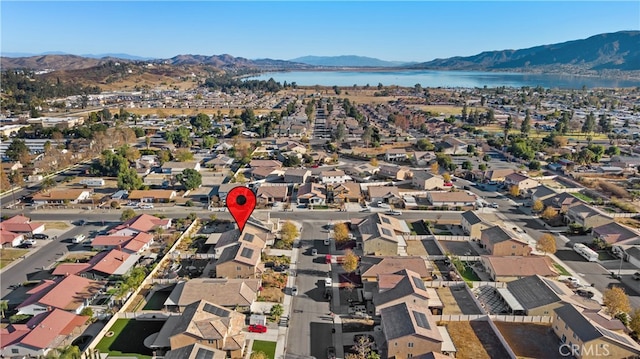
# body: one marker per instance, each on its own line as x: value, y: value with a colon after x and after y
x: 248, y: 117
x: 129, y: 180
x: 183, y: 155
x: 276, y: 311
x: 525, y: 127
x: 589, y: 124
x: 467, y: 165
x: 562, y: 125
x: 634, y: 322
x: 208, y: 142
x: 341, y: 132
x: 47, y: 183
x: 127, y: 214
x: 613, y: 151
x: 190, y: 178
x: 201, y: 122
x: 605, y: 124
x: 534, y: 165
x: 17, y: 150
x: 424, y: 145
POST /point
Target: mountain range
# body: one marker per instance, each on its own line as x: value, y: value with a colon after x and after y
x: 612, y: 51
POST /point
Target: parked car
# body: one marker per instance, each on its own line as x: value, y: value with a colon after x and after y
x: 636, y: 276
x: 585, y: 293
x: 327, y: 242
x: 146, y: 206
x: 328, y: 282
x: 314, y: 252
x: 40, y: 236
x: 25, y: 245
x: 294, y: 291
x: 79, y: 238
x: 393, y: 212
x: 257, y: 328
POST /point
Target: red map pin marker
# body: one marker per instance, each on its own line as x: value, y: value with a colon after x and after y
x: 241, y: 201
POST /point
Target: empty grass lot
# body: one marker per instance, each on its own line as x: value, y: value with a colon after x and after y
x: 269, y: 348
x: 128, y: 338
x: 8, y: 255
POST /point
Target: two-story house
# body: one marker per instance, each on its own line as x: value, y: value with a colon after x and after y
x: 500, y: 242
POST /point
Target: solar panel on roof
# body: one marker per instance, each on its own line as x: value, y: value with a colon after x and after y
x: 204, y: 354
x: 386, y: 232
x: 421, y: 320
x: 419, y: 283
x: 386, y: 220
x: 221, y: 312
x: 246, y: 253
x: 615, y: 336
x: 554, y: 286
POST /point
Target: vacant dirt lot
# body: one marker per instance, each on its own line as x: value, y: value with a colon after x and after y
x: 475, y: 340
x: 450, y: 306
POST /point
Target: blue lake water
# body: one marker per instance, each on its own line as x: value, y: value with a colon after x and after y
x: 468, y: 79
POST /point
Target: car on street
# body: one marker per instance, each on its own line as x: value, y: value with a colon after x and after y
x: 331, y: 353
x: 636, y: 276
x: 327, y: 242
x: 393, y: 212
x: 494, y: 205
x: 314, y: 252
x: 40, y: 236
x: 294, y: 291
x: 328, y: 282
x: 146, y: 206
x: 257, y: 328
x: 79, y: 238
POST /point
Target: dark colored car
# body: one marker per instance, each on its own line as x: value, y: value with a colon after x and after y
x: 25, y: 245
x: 40, y: 236
x: 585, y: 293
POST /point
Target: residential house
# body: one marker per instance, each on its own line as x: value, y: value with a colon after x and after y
x: 270, y: 174
x: 66, y: 196
x: 536, y: 295
x: 425, y: 180
x: 510, y: 268
x: 522, y: 182
x: 372, y: 267
x: 113, y: 263
x: 405, y: 287
x: 251, y: 236
x: 452, y: 146
x: 399, y: 173
x: 451, y: 199
x: 134, y: 244
x: 265, y: 163
x: 8, y: 167
x: 587, y: 216
x: 219, y: 161
x: 71, y: 293
x: 333, y: 177
x: 615, y: 234
x: 153, y: 195
x: 22, y: 225
x: 423, y: 158
x: 384, y: 194
x: 497, y: 175
x: 173, y: 168
x: 312, y: 193
x: 225, y: 188
x: 195, y: 351
x: 141, y: 223
x: 561, y: 202
x: 409, y: 330
x: 382, y: 234
x: 157, y: 180
x: 626, y: 162
x: 347, y: 192
x: 541, y: 193
x: 270, y: 194
x: 473, y: 223
x: 228, y: 293
x: 10, y: 239
x: 360, y: 172
x: 206, y: 324
x: 296, y: 175
x: 44, y: 332
x: 632, y: 255
x: 239, y: 261
x: 499, y: 242
x: 585, y: 338
x: 395, y: 154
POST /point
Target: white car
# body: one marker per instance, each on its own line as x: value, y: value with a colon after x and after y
x: 394, y: 213
x: 328, y: 282
x: 146, y: 206
x: 29, y: 241
x: 79, y: 238
x: 327, y: 242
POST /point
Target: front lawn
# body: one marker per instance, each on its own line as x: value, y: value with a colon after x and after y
x: 269, y: 348
x: 469, y: 275
x: 561, y: 269
x: 582, y: 196
x: 128, y: 338
x: 8, y: 255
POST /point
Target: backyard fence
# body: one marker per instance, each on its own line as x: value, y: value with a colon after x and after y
x: 522, y: 318
x: 453, y: 238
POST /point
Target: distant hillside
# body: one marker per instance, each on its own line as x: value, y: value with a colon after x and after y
x: 228, y: 61
x: 613, y: 51
x: 346, y: 61
x: 50, y: 62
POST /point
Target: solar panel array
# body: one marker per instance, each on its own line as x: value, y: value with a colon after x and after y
x: 221, y: 312
x: 386, y: 220
x: 419, y: 283
x: 204, y: 354
x: 246, y: 253
x: 387, y: 232
x: 615, y: 336
x: 421, y: 320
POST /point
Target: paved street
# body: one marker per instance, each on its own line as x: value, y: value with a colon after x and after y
x: 310, y: 324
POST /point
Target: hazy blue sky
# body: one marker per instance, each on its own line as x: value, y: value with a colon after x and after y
x: 405, y: 31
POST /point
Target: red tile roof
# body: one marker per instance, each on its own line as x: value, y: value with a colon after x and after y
x: 12, y: 334
x: 46, y: 327
x: 70, y: 268
x: 68, y: 293
x: 17, y: 219
x: 21, y: 227
x: 7, y: 237
x: 110, y: 263
x: 142, y: 223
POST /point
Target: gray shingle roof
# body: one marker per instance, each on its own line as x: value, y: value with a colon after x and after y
x: 532, y: 292
x: 471, y: 217
x: 496, y: 234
